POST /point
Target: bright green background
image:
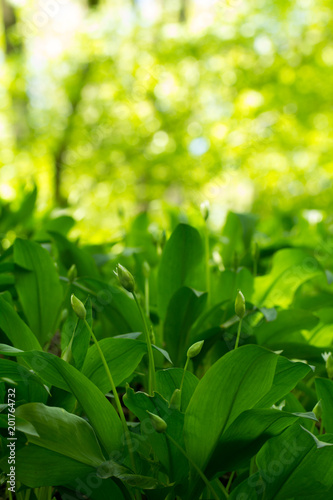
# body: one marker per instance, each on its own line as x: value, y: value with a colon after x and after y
x: 138, y: 102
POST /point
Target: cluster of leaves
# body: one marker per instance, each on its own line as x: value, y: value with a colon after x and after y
x: 111, y: 399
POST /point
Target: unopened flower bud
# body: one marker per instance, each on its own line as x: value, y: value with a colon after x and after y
x: 175, y: 400
x: 205, y: 209
x: 318, y: 410
x: 240, y: 305
x: 158, y: 423
x: 195, y: 349
x: 125, y: 278
x: 328, y: 358
x: 72, y: 273
x: 78, y: 307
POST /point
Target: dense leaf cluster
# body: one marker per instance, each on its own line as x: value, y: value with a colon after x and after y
x: 156, y: 384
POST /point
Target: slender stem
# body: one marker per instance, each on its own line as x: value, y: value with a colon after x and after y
x: 151, y: 362
x: 321, y: 427
x: 115, y: 394
x: 207, y: 265
x: 201, y: 474
x: 183, y: 377
x: 10, y: 496
x: 230, y: 481
x: 147, y: 296
x: 238, y: 333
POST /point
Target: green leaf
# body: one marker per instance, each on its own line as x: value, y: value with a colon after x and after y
x: 38, y: 287
x: 226, y: 284
x: 116, y: 304
x: 122, y: 357
x: 31, y: 386
x: 169, y: 380
x: 291, y: 465
x: 55, y: 371
x: 184, y: 308
x: 170, y: 457
x: 71, y: 253
x: 62, y: 432
x: 324, y: 389
x: 284, y: 326
x: 237, y: 234
x: 179, y: 264
x: 287, y: 375
x: 16, y: 330
x: 36, y: 466
x: 291, y: 268
x: 232, y: 385
x: 246, y: 435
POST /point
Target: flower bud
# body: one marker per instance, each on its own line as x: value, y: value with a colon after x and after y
x: 72, y: 273
x: 195, y: 349
x: 328, y: 358
x: 240, y: 305
x: 205, y: 209
x: 146, y: 269
x: 125, y: 278
x: 175, y: 400
x: 318, y: 410
x: 78, y: 307
x: 158, y: 423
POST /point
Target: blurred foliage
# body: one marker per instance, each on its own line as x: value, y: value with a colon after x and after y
x: 119, y: 105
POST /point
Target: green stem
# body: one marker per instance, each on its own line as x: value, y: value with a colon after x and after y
x: 321, y: 427
x: 147, y: 296
x: 151, y: 362
x: 238, y: 333
x: 183, y: 377
x: 201, y: 474
x: 232, y: 475
x: 115, y: 394
x: 207, y: 265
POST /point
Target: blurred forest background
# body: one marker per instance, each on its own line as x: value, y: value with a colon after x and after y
x: 112, y: 107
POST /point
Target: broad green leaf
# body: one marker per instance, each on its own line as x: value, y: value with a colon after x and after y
x: 71, y: 253
x: 237, y: 234
x: 291, y: 268
x: 246, y: 435
x: 31, y: 387
x: 287, y: 375
x: 324, y: 389
x: 179, y: 265
x: 36, y: 466
x: 16, y: 330
x: 169, y: 380
x: 287, y: 323
x: 226, y: 284
x: 184, y: 308
x: 55, y: 371
x: 38, y: 287
x: 170, y: 457
x: 122, y: 357
x: 291, y: 465
x: 321, y: 334
x: 118, y: 306
x: 63, y: 432
x: 232, y: 385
